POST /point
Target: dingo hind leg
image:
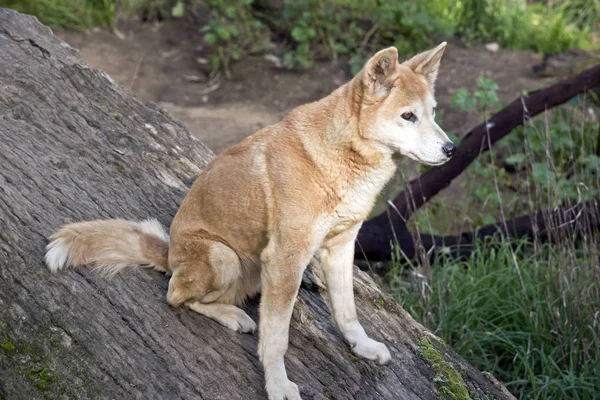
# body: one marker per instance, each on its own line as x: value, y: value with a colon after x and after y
x: 208, y: 282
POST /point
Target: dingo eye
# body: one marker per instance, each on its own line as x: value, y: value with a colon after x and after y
x: 409, y: 116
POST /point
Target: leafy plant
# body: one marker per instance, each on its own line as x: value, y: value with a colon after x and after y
x: 329, y: 29
x: 548, y: 162
x: 483, y: 100
x: 517, y: 24
x: 231, y: 31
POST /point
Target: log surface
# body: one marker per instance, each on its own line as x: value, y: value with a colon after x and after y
x: 75, y: 146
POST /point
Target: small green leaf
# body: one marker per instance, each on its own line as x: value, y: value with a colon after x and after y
x: 234, y: 31
x: 542, y: 175
x: 516, y: 158
x: 303, y: 50
x: 486, y: 84
x: 210, y: 38
x: 488, y: 220
x: 462, y: 100
x: 573, y: 101
x: 486, y: 99
x: 592, y: 161
x: 223, y: 32
x: 340, y: 48
x: 236, y: 53
x: 215, y: 62
x: 299, y: 34
x: 289, y: 60
x: 178, y: 10
x: 230, y: 12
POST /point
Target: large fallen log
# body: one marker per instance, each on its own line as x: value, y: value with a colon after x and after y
x: 376, y: 234
x: 75, y: 146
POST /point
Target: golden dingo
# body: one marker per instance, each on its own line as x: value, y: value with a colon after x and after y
x: 291, y: 193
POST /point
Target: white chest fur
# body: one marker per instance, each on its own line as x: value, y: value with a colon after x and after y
x: 358, y: 200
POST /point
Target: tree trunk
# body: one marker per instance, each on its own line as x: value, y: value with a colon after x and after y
x: 75, y: 146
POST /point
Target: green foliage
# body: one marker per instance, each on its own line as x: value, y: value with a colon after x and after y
x: 533, y: 324
x: 67, y: 14
x: 552, y: 158
x: 527, y: 313
x: 231, y: 32
x: 482, y: 100
x: 519, y: 24
x: 329, y: 29
x: 583, y: 13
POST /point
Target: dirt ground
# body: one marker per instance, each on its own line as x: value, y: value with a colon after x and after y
x: 167, y: 64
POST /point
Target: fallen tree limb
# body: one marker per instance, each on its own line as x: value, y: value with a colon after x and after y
x: 75, y: 146
x: 564, y: 222
x: 377, y: 233
x: 559, y: 225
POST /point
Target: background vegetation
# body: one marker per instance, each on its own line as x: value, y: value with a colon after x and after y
x: 529, y: 313
x: 313, y: 29
x: 525, y: 311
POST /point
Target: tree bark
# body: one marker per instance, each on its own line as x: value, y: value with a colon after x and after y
x: 376, y: 234
x: 75, y: 146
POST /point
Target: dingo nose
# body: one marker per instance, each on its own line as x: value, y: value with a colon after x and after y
x: 449, y: 149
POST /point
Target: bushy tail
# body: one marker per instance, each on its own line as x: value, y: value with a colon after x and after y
x: 109, y: 245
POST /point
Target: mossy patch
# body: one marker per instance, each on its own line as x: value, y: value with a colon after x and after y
x: 8, y: 346
x: 439, y: 341
x: 353, y: 358
x: 452, y: 385
x: 43, y: 378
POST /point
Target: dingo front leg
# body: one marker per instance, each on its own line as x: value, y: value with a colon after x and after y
x: 336, y: 258
x: 281, y: 276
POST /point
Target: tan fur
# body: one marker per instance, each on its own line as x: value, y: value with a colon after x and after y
x: 258, y: 214
x: 110, y: 245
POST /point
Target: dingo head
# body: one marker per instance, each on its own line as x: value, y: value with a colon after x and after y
x: 398, y: 108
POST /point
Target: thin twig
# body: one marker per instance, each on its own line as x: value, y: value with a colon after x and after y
x: 367, y: 37
x: 135, y: 73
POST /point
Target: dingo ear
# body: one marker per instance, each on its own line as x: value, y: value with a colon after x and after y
x: 379, y: 71
x: 427, y: 63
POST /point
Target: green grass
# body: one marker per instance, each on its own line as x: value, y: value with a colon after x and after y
x: 534, y: 325
x: 527, y: 313
x: 67, y: 14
